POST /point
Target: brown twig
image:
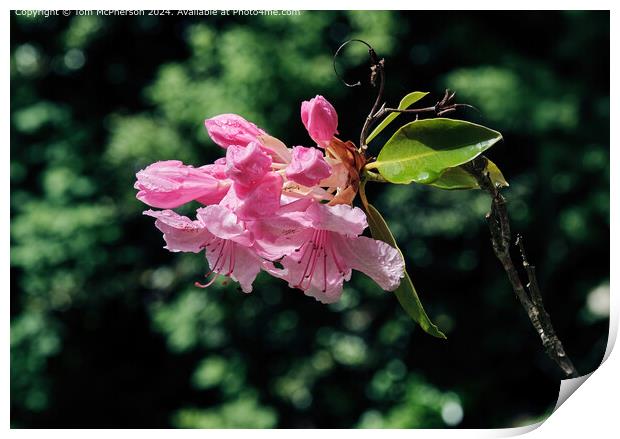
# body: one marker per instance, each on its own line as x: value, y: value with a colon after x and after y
x: 377, y: 74
x: 376, y: 71
x: 529, y: 296
x: 445, y: 106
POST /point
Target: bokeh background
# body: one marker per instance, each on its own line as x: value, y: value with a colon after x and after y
x: 107, y: 329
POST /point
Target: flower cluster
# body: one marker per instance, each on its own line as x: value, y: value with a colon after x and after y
x: 286, y: 211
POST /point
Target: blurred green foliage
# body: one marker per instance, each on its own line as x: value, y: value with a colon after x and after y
x: 106, y: 326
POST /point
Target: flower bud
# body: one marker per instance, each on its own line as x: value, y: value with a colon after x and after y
x: 169, y: 184
x: 232, y: 129
x: 308, y: 167
x: 320, y: 119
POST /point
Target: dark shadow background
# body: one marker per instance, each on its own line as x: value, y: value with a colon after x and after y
x: 107, y: 329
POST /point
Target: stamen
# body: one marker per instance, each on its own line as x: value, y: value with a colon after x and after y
x: 217, y: 245
x: 312, y: 251
x: 219, y: 256
x: 208, y: 284
x: 324, y: 270
x: 231, y: 260
x: 225, y: 256
x: 317, y: 250
x: 340, y: 270
x: 308, y: 265
x: 305, y: 244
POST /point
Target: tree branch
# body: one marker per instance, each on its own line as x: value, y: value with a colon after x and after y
x: 529, y: 296
x: 377, y: 69
x: 497, y: 218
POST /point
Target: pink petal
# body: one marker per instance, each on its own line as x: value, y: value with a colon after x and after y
x: 279, y: 235
x: 217, y: 169
x: 224, y: 224
x: 247, y: 165
x: 278, y: 150
x: 232, y: 129
x: 255, y: 202
x: 237, y: 261
x: 307, y: 167
x: 180, y: 233
x: 247, y: 267
x: 381, y: 262
x: 320, y: 272
x: 169, y: 184
x: 341, y: 218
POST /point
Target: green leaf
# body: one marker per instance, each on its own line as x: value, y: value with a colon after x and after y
x: 459, y: 178
x: 405, y: 103
x: 405, y: 293
x: 422, y: 150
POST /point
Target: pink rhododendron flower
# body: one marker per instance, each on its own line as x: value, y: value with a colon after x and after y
x: 232, y: 129
x: 170, y: 183
x: 320, y: 119
x: 283, y: 210
x: 217, y: 231
x: 327, y: 247
x: 308, y: 167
